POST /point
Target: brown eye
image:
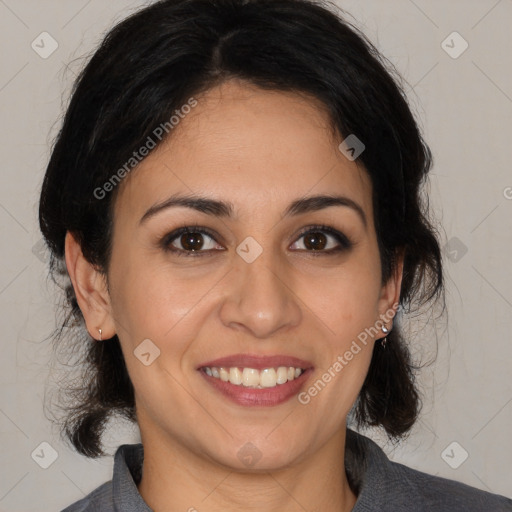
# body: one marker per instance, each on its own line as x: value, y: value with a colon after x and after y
x: 190, y: 241
x: 316, y: 239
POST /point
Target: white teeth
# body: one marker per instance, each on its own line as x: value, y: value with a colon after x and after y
x: 235, y: 376
x: 252, y: 378
x: 224, y: 374
x: 268, y: 378
x: 282, y: 375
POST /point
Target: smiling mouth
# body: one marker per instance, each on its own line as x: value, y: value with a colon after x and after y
x: 252, y: 377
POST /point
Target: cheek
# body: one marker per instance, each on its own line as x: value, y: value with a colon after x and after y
x: 347, y: 303
x: 147, y: 298
x: 148, y: 306
x: 157, y: 303
x: 350, y: 312
x: 347, y: 300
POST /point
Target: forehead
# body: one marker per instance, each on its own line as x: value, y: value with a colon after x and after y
x: 251, y: 147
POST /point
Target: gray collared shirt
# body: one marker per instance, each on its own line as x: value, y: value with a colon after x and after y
x: 380, y: 484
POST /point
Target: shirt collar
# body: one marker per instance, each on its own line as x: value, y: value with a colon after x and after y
x: 127, y: 474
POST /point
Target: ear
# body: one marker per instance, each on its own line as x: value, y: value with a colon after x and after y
x: 390, y: 293
x: 90, y: 289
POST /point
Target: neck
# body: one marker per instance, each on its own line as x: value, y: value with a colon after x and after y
x: 175, y: 479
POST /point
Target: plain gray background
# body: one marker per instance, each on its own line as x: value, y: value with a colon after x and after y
x: 464, y: 104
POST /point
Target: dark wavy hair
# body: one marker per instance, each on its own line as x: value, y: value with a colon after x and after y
x: 151, y: 64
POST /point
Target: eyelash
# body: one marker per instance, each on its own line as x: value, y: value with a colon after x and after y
x: 345, y: 243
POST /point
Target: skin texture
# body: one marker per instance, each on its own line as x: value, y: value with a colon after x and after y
x: 260, y: 150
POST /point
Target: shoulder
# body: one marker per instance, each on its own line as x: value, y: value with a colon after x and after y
x: 119, y: 494
x: 427, y: 492
x: 99, y: 500
x: 386, y: 485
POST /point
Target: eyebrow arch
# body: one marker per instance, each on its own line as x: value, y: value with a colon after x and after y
x: 225, y: 209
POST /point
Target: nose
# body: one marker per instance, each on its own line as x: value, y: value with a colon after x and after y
x: 260, y: 298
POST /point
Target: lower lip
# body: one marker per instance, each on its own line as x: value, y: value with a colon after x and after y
x: 242, y: 395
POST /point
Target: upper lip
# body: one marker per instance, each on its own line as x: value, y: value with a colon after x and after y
x: 258, y: 362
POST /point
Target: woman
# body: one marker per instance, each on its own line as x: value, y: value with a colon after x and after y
x: 235, y: 194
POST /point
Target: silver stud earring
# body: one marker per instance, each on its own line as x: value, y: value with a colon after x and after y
x: 99, y: 330
x: 385, y: 330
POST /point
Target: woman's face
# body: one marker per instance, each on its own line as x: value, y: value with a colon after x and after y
x: 254, y: 291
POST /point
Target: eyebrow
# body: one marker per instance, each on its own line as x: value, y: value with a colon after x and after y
x: 226, y: 210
